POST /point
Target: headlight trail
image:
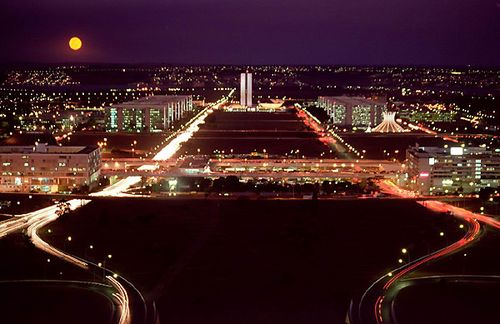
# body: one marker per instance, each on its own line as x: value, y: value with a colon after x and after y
x: 45, y: 218
x: 36, y: 220
x: 473, y: 231
x: 123, y: 300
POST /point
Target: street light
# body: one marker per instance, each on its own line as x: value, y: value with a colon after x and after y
x: 405, y: 251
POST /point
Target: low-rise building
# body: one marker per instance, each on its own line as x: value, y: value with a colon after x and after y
x: 148, y: 114
x: 48, y: 168
x: 353, y: 111
x: 455, y: 169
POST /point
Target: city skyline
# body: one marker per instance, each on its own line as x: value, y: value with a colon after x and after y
x: 273, y: 32
x: 264, y: 161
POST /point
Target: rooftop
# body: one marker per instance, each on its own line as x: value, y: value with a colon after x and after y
x: 429, y: 151
x: 152, y: 101
x: 346, y: 100
x: 43, y: 148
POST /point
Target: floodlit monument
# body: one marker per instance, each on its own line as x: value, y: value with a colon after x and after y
x: 389, y: 124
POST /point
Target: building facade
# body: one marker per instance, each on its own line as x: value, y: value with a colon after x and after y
x: 442, y: 170
x: 148, y: 114
x: 246, y: 89
x: 48, y: 168
x: 353, y: 111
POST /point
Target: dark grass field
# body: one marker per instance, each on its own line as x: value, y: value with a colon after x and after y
x: 243, y: 133
x: 448, y: 301
x: 118, y: 144
x: 21, y: 260
x: 275, y: 146
x: 245, y: 261
x: 219, y: 120
x: 14, y: 204
x: 375, y: 144
x: 53, y: 302
x: 475, y: 205
x: 28, y: 293
x: 481, y: 258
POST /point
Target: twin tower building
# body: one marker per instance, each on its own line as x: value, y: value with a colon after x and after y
x: 246, y: 89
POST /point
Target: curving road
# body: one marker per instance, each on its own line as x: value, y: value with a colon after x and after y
x: 376, y: 294
x: 36, y: 220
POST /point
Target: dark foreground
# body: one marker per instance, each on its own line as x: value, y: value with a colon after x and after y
x: 251, y: 261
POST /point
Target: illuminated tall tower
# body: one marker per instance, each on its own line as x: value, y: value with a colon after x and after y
x: 246, y: 89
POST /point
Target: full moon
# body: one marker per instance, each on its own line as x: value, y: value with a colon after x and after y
x: 75, y: 43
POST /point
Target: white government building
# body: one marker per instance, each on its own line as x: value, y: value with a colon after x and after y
x: 353, y: 111
x: 246, y: 89
x: 48, y: 168
x: 148, y: 114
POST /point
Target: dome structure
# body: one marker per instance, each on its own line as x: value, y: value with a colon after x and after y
x: 389, y: 124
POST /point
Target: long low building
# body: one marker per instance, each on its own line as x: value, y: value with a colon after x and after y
x: 48, y: 168
x: 353, y: 111
x: 148, y: 114
x: 441, y: 170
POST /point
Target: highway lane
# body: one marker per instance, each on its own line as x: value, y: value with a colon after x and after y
x: 251, y: 175
x: 374, y: 297
x: 36, y: 220
x: 25, y: 220
x: 122, y: 297
x: 117, y: 189
x: 376, y: 294
x: 382, y: 314
x: 48, y: 216
x: 332, y: 139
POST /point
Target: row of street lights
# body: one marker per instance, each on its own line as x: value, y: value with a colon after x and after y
x: 102, y: 264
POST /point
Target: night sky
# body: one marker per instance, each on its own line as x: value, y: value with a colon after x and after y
x: 361, y: 32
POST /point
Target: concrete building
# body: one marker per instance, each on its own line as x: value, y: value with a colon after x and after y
x: 48, y: 168
x: 148, y: 114
x: 353, y: 111
x: 457, y: 169
x: 389, y: 124
x: 246, y: 89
